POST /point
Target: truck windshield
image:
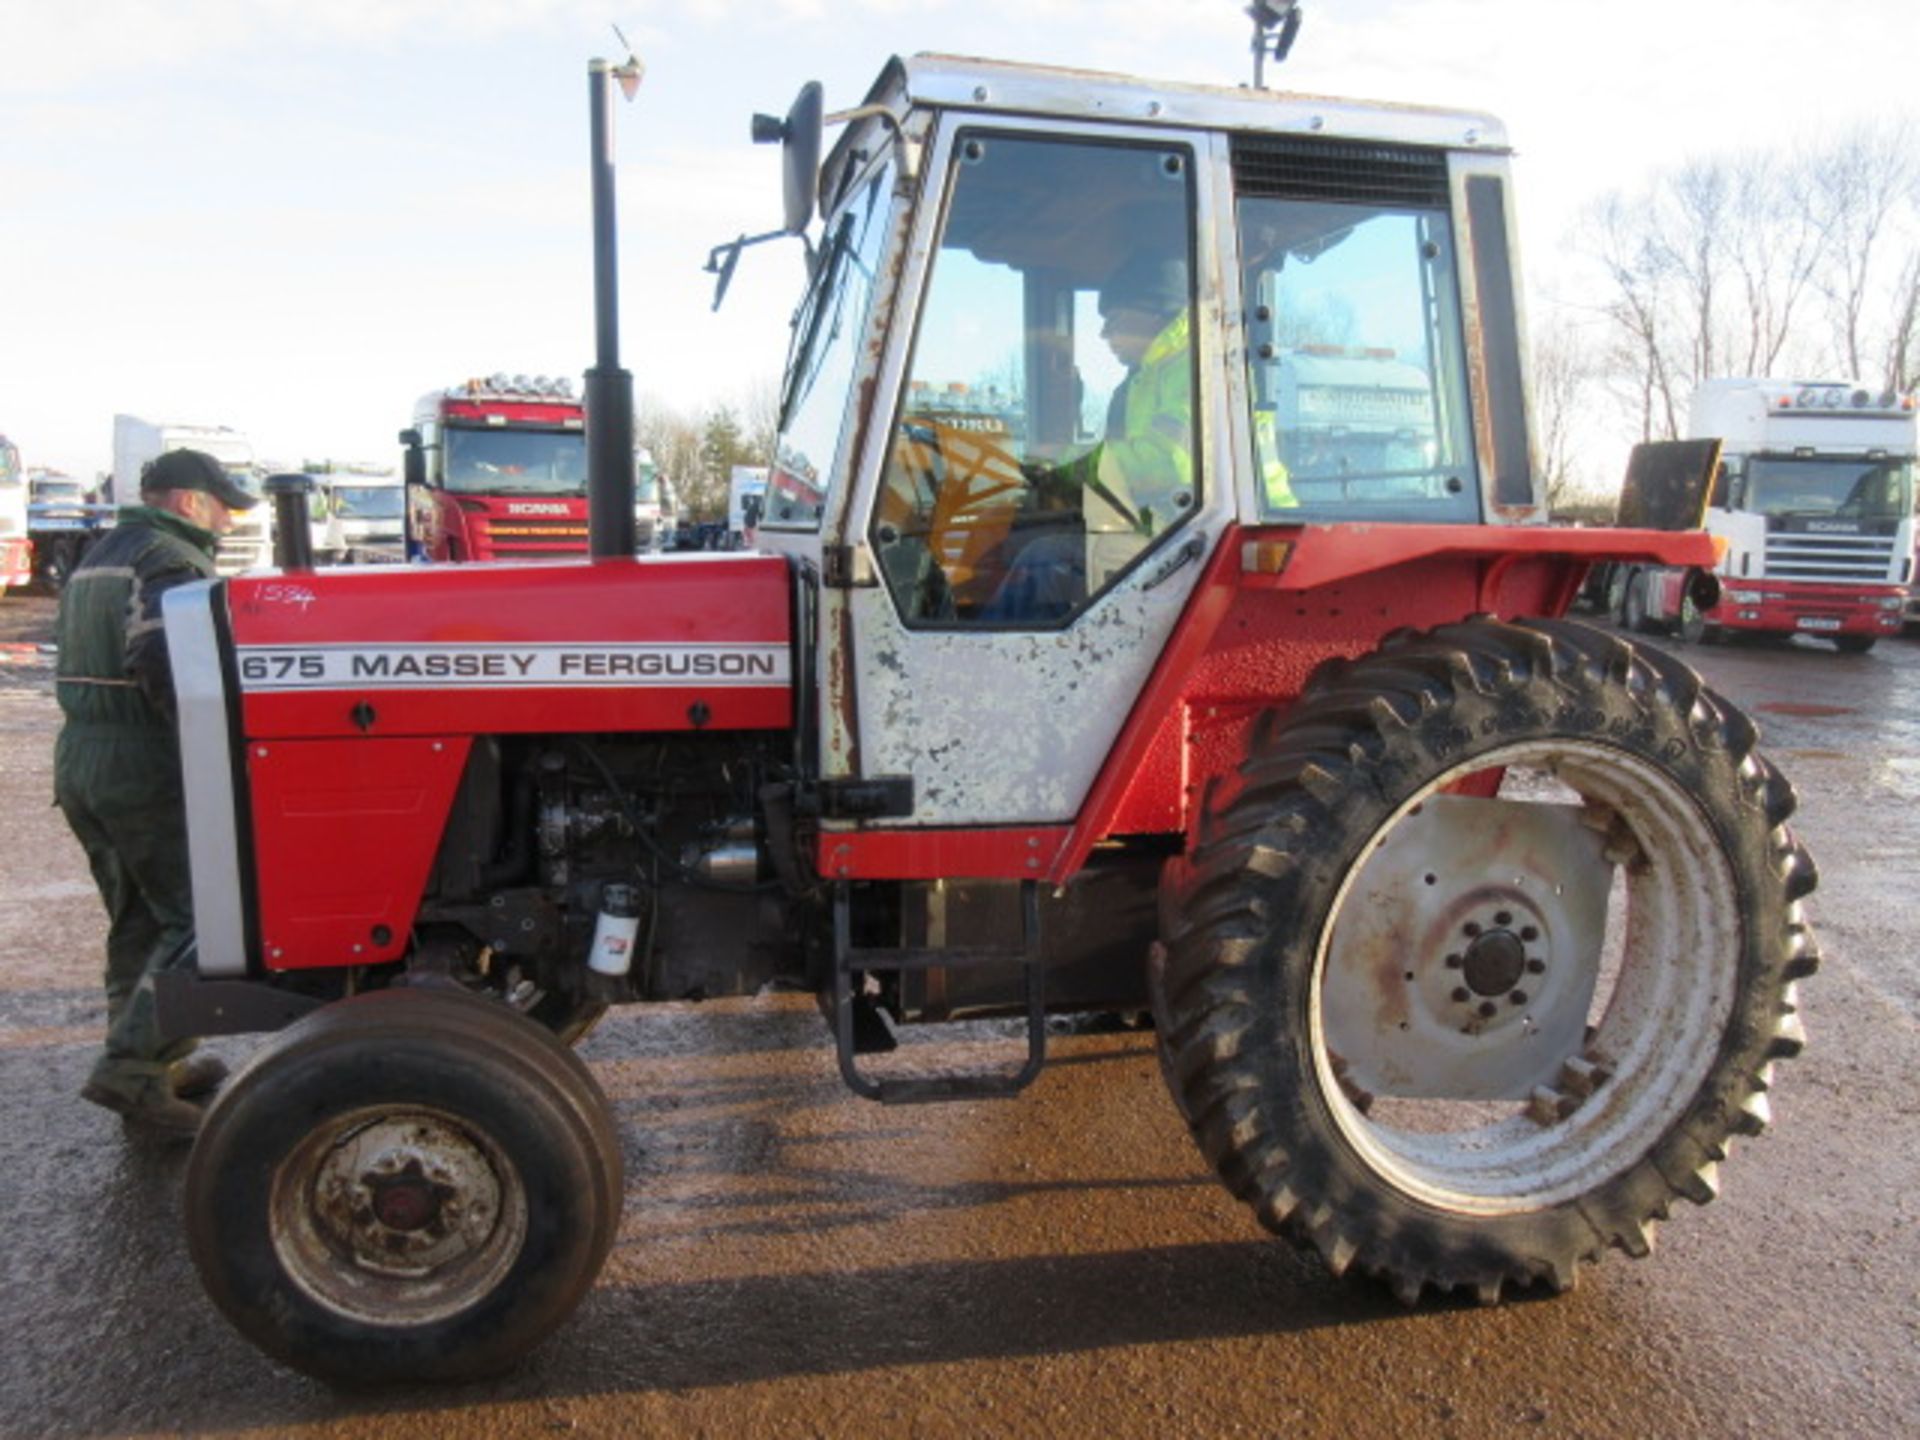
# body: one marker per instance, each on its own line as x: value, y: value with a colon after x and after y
x: 367, y: 502
x: 1827, y: 485
x: 516, y: 462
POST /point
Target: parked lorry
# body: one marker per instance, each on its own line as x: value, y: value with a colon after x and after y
x: 16, y: 549
x: 1471, y: 934
x: 496, y: 469
x: 63, y: 521
x: 357, y: 512
x: 1814, y: 502
x: 746, y: 502
x: 249, y: 544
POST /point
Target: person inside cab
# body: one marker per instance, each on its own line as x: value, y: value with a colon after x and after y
x: 1139, y: 479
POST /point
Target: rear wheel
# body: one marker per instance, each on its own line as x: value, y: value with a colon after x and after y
x: 409, y: 1185
x: 1634, y: 606
x: 1484, y: 955
x: 1695, y: 628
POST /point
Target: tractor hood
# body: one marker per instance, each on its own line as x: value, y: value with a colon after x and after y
x: 691, y: 643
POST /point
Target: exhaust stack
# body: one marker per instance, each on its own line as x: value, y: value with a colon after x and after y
x: 608, y: 391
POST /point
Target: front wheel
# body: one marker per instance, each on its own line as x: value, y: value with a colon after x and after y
x: 1854, y: 644
x: 409, y: 1185
x: 1484, y: 955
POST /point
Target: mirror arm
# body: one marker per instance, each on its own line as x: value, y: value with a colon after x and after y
x: 909, y: 148
x: 722, y: 258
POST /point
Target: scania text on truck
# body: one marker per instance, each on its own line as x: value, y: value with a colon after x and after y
x: 249, y: 544
x: 16, y: 549
x: 1471, y: 934
x: 1814, y: 502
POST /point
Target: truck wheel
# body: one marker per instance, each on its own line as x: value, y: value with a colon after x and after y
x: 1484, y: 954
x: 1695, y: 628
x: 1633, y: 606
x: 408, y: 1185
x: 62, y: 556
x: 1854, y: 644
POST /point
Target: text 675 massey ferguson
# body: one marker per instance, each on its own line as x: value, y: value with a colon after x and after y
x: 1471, y: 933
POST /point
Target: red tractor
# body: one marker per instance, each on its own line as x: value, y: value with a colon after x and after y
x: 1064, y: 678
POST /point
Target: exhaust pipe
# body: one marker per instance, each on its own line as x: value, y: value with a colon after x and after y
x: 608, y: 391
x: 292, y: 535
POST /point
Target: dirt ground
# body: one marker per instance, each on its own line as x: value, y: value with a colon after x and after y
x: 796, y: 1261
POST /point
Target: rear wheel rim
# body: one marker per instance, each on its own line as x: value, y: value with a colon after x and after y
x: 1655, y: 1028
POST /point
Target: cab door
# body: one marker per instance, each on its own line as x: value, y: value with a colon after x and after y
x: 1038, y: 490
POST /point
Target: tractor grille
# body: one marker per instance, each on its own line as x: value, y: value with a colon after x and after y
x: 1837, y: 558
x: 1349, y: 171
x: 532, y: 535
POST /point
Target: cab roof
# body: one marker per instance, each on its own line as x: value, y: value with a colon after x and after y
x: 996, y: 86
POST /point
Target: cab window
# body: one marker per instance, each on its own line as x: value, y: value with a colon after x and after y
x: 820, y: 365
x: 1356, y: 364
x: 1045, y: 439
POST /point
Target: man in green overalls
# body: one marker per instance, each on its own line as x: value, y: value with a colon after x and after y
x: 116, y: 771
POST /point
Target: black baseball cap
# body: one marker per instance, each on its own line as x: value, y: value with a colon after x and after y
x: 195, y: 470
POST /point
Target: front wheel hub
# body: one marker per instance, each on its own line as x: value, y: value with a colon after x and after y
x: 397, y: 1216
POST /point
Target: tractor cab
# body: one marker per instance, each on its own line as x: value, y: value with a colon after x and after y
x: 1065, y: 332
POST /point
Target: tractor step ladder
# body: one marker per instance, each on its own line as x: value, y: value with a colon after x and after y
x: 922, y: 1089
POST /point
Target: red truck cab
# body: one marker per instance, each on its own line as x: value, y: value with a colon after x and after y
x: 496, y: 469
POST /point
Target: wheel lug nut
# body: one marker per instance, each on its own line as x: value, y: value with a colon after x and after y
x: 1528, y: 932
x: 1472, y: 928
x: 1518, y: 997
x: 1487, y: 1008
x: 1504, y: 918
x: 1454, y: 962
x: 1535, y: 966
x: 1462, y: 994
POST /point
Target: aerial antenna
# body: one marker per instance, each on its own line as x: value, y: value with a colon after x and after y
x: 1269, y: 17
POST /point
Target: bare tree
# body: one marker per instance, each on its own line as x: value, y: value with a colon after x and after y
x: 1750, y: 264
x: 1776, y: 238
x: 760, y: 419
x: 1563, y: 375
x: 1636, y: 269
x: 1864, y: 183
x: 674, y: 442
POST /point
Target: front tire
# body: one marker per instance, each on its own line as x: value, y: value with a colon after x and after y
x: 1421, y: 1037
x: 409, y: 1185
x: 1854, y: 644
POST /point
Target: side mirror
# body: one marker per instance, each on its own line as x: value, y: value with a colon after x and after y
x: 799, y: 139
x: 413, y: 460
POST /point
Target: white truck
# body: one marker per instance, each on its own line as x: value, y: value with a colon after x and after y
x: 1813, y: 502
x: 1353, y: 425
x: 655, y: 505
x: 249, y: 545
x: 16, y: 551
x: 746, y: 496
x: 358, y: 514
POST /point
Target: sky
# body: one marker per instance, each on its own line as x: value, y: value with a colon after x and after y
x: 294, y: 217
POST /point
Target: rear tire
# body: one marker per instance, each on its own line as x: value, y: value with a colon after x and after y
x: 1677, y: 806
x: 409, y: 1185
x: 1634, y: 606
